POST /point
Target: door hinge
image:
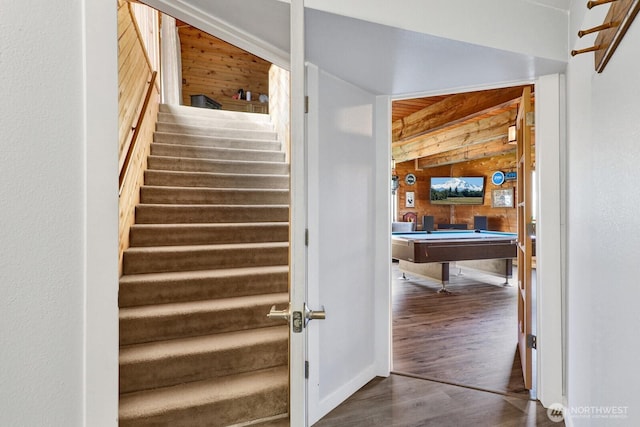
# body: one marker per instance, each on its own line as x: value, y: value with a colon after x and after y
x: 531, y: 118
x: 306, y: 237
x: 306, y: 104
x: 532, y: 341
x: 306, y: 369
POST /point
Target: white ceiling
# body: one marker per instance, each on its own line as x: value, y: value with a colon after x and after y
x: 379, y: 58
x: 388, y: 60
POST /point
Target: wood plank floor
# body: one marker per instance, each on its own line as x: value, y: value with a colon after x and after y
x: 404, y: 401
x: 466, y: 338
x: 466, y: 343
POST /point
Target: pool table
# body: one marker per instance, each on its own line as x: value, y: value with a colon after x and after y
x: 420, y: 252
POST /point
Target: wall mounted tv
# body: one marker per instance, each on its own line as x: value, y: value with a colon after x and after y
x: 457, y: 190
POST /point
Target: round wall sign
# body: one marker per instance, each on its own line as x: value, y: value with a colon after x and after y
x: 410, y: 179
x: 497, y: 178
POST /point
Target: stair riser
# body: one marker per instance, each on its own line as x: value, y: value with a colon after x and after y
x: 215, y: 114
x: 184, y: 164
x: 183, y: 325
x: 204, y: 259
x: 187, y: 120
x: 213, y: 166
x: 193, y: 179
x: 178, y: 235
x: 173, y: 150
x: 167, y: 214
x: 200, y: 366
x: 182, y: 195
x: 198, y: 289
x: 216, y: 142
x: 212, y: 131
x: 218, y: 414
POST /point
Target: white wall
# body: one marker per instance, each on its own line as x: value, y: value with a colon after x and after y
x: 603, y: 228
x: 52, y: 167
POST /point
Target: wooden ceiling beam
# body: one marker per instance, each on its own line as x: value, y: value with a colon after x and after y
x: 475, y: 132
x: 451, y: 110
x: 475, y: 152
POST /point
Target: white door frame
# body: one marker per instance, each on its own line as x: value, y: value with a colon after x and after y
x: 298, y: 218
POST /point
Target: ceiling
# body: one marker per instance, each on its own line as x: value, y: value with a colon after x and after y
x: 447, y: 129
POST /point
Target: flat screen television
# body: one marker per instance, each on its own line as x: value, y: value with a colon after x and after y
x: 457, y: 190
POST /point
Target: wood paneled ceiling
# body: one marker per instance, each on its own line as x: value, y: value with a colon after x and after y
x: 448, y: 129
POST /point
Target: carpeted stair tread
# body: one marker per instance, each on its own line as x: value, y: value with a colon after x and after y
x: 216, y: 131
x: 183, y: 286
x: 157, y: 259
x: 165, y: 363
x: 198, y: 152
x: 214, y: 180
x: 215, y: 114
x: 186, y: 164
x: 216, y: 122
x: 150, y: 194
x: 216, y: 141
x: 192, y: 214
x: 207, y: 234
x: 187, y: 319
x: 217, y: 402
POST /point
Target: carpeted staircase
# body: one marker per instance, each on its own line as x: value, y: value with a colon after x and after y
x: 208, y: 259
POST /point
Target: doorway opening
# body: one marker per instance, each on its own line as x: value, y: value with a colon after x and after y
x: 466, y: 336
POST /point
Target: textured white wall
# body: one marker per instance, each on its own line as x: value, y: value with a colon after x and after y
x: 46, y: 132
x: 604, y: 232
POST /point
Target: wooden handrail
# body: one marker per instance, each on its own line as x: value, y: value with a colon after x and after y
x: 136, y: 131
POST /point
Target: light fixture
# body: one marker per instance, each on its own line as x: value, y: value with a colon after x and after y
x: 511, y: 135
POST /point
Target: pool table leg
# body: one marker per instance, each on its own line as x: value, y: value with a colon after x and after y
x: 508, y: 273
x: 445, y: 279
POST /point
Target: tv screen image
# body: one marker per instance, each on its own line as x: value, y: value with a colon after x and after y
x: 457, y: 190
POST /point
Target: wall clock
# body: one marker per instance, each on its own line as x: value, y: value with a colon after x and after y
x: 410, y: 179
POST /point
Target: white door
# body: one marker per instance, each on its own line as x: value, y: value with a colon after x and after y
x: 342, y: 268
x: 340, y: 201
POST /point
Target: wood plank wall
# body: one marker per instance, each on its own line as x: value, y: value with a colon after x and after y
x: 134, y: 74
x: 499, y: 219
x: 217, y: 69
x: 279, y: 105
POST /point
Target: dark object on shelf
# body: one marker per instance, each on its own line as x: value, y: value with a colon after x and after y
x: 203, y: 101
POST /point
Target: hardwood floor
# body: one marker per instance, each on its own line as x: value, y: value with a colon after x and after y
x: 404, y: 401
x: 467, y: 338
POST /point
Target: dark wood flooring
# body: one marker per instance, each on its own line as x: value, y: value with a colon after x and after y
x: 455, y: 358
x: 467, y: 338
x: 404, y: 401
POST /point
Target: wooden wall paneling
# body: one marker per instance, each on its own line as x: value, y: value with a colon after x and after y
x: 130, y: 195
x: 218, y: 70
x: 499, y: 219
x: 279, y: 105
x: 134, y: 73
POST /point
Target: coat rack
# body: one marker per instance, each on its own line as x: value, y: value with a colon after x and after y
x: 610, y: 33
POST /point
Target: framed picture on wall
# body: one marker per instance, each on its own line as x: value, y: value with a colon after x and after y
x: 502, y: 198
x: 410, y: 200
